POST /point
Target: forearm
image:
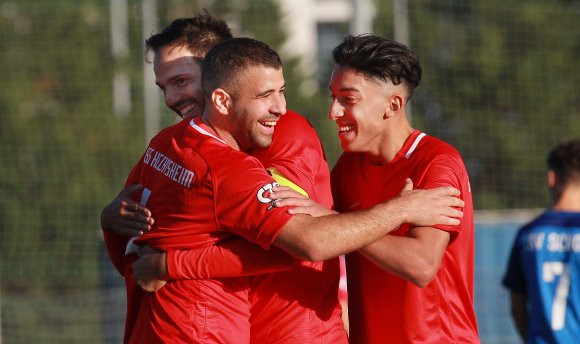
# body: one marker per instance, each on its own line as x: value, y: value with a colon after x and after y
x: 329, y: 236
x: 321, y: 238
x: 234, y: 258
x: 415, y: 257
x: 387, y: 253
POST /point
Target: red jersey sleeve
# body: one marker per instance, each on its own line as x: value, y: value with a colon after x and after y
x: 234, y: 258
x: 447, y: 170
x: 242, y: 203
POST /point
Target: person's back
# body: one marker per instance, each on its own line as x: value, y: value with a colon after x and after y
x: 543, y: 273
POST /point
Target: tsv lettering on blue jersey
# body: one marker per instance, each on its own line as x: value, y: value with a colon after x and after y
x: 167, y: 167
x: 554, y: 242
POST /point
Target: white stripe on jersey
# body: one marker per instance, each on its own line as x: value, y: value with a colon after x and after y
x: 414, y: 145
x: 203, y: 131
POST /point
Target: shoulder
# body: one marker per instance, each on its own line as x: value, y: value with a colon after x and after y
x: 169, y: 132
x: 432, y: 151
x: 293, y: 119
x: 294, y: 140
x: 435, y: 147
x: 295, y: 126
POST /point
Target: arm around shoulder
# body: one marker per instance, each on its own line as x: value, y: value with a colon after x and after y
x: 329, y: 236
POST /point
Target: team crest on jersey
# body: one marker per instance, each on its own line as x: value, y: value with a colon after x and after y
x: 264, y: 193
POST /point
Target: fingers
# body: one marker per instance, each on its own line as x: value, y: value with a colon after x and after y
x: 408, y: 185
x: 293, y: 202
x: 130, y: 189
x: 314, y: 211
x: 128, y: 231
x: 451, y: 221
x: 135, y: 211
x: 453, y: 213
x: 281, y: 192
x: 125, y: 216
x: 456, y: 202
x: 448, y: 190
x: 447, y: 195
x: 132, y: 219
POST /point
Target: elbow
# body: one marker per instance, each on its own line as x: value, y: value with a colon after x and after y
x: 304, y: 240
x: 423, y: 275
x: 311, y: 252
x: 309, y: 248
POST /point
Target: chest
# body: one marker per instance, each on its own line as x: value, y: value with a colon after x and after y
x: 363, y: 185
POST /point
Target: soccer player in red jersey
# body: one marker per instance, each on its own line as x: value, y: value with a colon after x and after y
x: 310, y: 309
x: 414, y: 285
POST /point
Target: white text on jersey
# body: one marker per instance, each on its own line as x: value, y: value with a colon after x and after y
x: 168, y: 167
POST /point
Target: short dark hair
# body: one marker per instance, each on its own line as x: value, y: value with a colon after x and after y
x: 564, y: 160
x: 225, y: 62
x: 380, y: 58
x: 198, y: 34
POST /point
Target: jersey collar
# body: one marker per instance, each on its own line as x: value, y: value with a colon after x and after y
x: 204, y: 129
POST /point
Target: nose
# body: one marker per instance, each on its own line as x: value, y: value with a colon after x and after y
x: 172, y: 97
x: 336, y: 110
x: 279, y: 105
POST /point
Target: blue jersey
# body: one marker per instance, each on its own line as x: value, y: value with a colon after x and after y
x: 545, y: 266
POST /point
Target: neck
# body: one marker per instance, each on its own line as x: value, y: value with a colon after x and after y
x: 390, y: 144
x: 220, y: 131
x: 569, y: 200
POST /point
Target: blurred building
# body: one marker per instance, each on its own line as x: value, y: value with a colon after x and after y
x: 314, y: 27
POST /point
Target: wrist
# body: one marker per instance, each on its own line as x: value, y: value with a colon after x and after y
x: 396, y: 211
x: 164, y: 270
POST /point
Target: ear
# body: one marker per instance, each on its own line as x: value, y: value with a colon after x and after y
x: 394, y: 105
x: 552, y: 179
x: 220, y: 99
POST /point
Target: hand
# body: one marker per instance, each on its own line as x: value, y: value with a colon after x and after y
x: 125, y: 216
x: 298, y: 203
x: 437, y: 206
x: 150, y: 269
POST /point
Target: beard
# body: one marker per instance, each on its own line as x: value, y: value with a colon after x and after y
x: 248, y: 132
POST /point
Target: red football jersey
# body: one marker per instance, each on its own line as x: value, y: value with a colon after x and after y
x: 382, y: 306
x: 299, y: 305
x: 201, y: 191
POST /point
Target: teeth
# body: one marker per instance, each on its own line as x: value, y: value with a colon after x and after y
x: 345, y: 128
x: 186, y: 109
x: 269, y: 123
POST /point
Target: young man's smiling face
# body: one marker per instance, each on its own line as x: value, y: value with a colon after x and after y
x: 257, y: 103
x: 359, y: 106
x: 178, y: 75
